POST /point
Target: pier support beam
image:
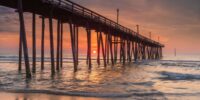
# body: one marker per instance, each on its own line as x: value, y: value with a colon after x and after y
x: 136, y: 52
x: 120, y: 51
x: 120, y: 46
x: 123, y: 51
x: 89, y: 48
x: 161, y: 54
x: 74, y: 44
x: 103, y: 50
x: 34, y: 43
x: 128, y: 51
x: 133, y: 50
x: 147, y: 52
x: 51, y: 45
x: 111, y: 48
x: 151, y: 53
x: 61, y: 46
x: 107, y: 44
x: 42, y: 43
x: 59, y: 61
x: 98, y: 48
x: 106, y: 48
x: 143, y: 52
x: 115, y: 49
x: 58, y: 45
x: 77, y: 45
x: 20, y: 51
x: 23, y: 37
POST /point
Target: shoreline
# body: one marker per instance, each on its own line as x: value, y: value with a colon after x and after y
x: 68, y: 93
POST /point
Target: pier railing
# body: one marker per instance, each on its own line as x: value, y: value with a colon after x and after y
x: 87, y: 13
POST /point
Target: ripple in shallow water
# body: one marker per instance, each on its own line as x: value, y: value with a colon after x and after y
x: 148, y: 79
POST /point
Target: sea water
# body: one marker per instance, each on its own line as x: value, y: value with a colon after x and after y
x: 174, y: 78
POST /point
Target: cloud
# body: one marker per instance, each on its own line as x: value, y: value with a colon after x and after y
x: 5, y: 10
x: 9, y: 20
x: 177, y: 22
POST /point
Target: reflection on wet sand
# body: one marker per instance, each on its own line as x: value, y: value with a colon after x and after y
x: 35, y: 96
x: 19, y: 96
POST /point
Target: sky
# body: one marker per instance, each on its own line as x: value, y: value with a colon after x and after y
x: 176, y: 22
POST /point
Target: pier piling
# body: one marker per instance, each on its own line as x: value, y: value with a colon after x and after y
x: 51, y: 45
x: 89, y: 47
x: 20, y: 51
x: 23, y: 37
x: 103, y: 50
x: 34, y: 43
x: 111, y: 48
x: 58, y: 45
x: 74, y: 46
x: 98, y: 48
x: 61, y: 46
x: 42, y: 43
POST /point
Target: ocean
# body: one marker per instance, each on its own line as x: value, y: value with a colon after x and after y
x: 171, y: 78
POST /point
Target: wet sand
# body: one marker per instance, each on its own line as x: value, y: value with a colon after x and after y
x: 37, y: 96
x: 41, y: 96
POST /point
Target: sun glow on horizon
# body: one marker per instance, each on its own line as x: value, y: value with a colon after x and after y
x: 94, y: 52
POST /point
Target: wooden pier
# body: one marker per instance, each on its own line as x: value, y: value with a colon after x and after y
x: 130, y: 45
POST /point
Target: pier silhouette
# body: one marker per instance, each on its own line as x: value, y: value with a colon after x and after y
x: 129, y: 44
